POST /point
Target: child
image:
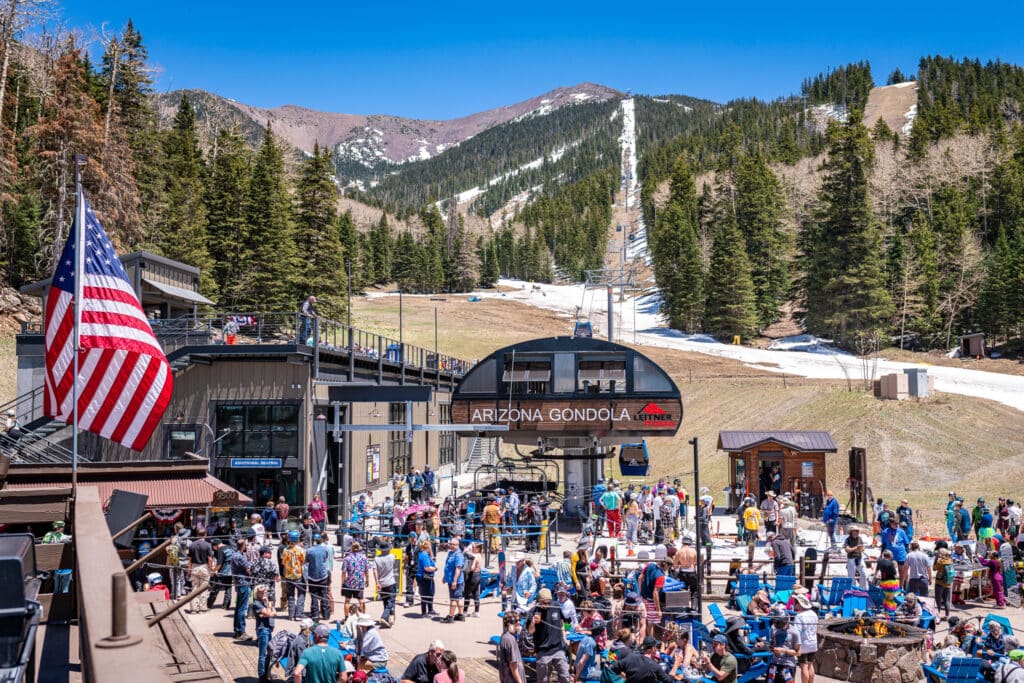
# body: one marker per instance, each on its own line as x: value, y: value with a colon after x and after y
x: 995, y: 576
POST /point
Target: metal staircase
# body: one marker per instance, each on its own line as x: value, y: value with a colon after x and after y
x: 482, y: 451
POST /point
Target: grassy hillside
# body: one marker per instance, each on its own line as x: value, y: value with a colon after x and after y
x: 916, y: 449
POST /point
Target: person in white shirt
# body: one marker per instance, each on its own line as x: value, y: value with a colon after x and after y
x: 259, y: 530
x: 806, y: 624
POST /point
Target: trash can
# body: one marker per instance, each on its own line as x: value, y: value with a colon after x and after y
x: 393, y: 353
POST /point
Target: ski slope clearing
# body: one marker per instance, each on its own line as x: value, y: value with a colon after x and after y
x: 638, y: 320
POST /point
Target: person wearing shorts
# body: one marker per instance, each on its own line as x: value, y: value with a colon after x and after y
x: 455, y: 579
x: 355, y: 571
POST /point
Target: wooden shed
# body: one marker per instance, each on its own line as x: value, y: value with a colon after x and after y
x: 781, y: 461
x: 972, y: 345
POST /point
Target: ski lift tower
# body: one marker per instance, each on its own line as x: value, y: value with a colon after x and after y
x: 608, y: 279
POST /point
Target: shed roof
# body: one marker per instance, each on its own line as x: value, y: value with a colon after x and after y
x: 801, y: 441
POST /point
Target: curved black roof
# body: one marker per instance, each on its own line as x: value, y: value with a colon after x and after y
x: 570, y: 344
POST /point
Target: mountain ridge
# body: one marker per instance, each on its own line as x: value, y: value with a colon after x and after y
x: 372, y: 140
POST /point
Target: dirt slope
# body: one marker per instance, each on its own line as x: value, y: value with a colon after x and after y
x: 893, y: 104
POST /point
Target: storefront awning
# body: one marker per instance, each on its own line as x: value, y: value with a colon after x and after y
x: 178, y: 492
x: 177, y: 292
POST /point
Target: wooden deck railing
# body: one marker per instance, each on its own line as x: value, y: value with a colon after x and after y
x: 102, y: 609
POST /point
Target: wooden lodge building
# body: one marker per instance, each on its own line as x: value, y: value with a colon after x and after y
x: 258, y: 402
x: 779, y: 461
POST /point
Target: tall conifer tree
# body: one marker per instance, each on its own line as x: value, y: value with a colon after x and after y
x: 845, y: 291
x: 731, y: 306
x: 321, y: 264
x: 678, y: 264
x: 227, y: 227
x: 270, y: 276
x: 182, y: 234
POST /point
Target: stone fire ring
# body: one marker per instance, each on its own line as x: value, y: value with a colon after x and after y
x: 849, y: 657
x: 831, y: 631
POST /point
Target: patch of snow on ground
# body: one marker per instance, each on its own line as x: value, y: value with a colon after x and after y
x: 905, y: 84
x: 658, y: 99
x: 909, y: 116
x: 639, y: 318
x: 469, y: 195
x: 804, y: 342
x: 580, y: 96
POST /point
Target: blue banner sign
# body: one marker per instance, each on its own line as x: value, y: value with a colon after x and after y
x: 255, y: 462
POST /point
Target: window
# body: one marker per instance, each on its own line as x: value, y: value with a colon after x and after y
x: 182, y: 439
x: 480, y: 379
x: 649, y: 377
x: 602, y: 376
x: 565, y: 373
x: 526, y: 377
x: 399, y: 450
x: 258, y: 431
x: 446, y: 440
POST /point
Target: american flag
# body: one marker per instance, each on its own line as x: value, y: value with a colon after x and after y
x: 124, y: 379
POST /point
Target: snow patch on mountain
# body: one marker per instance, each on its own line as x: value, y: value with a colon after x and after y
x: 909, y: 118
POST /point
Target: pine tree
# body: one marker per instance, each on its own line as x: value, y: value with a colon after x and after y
x: 731, y: 305
x: 269, y: 275
x: 922, y: 241
x: 998, y: 298
x: 406, y: 261
x: 126, y: 77
x: 321, y: 266
x: 381, y: 249
x: 487, y: 254
x: 227, y: 228
x: 676, y: 254
x: 182, y: 233
x: 759, y: 210
x: 847, y: 298
x: 433, y: 247
x: 352, y: 251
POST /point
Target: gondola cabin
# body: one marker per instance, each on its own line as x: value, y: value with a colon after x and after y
x: 569, y: 393
x: 634, y: 460
x: 583, y: 328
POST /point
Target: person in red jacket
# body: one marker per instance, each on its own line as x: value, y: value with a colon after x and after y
x: 156, y: 585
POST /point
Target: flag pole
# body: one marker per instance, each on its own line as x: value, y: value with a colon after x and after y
x: 79, y: 223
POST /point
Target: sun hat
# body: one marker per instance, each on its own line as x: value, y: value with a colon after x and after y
x: 771, y: 494
x: 365, y: 622
x: 802, y: 601
x: 306, y: 623
x: 544, y: 594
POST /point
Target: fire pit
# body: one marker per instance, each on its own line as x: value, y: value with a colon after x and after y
x: 870, y: 650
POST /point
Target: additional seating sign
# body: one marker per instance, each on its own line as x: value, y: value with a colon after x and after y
x: 255, y: 463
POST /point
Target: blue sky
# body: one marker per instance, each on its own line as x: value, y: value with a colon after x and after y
x: 448, y: 59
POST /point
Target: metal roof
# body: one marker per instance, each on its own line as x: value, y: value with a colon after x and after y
x: 177, y: 492
x: 801, y: 441
x: 177, y: 292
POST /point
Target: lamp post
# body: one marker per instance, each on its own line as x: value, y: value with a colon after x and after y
x: 320, y: 448
x: 401, y: 342
x: 348, y: 273
x: 700, y: 562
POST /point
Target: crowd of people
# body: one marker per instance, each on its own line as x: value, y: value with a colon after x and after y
x: 597, y: 614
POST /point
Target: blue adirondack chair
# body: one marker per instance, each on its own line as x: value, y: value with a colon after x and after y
x: 853, y: 604
x: 755, y: 672
x: 927, y: 619
x: 964, y: 670
x: 784, y: 584
x: 748, y: 584
x: 716, y: 614
x: 832, y: 596
x: 932, y: 675
x: 876, y: 596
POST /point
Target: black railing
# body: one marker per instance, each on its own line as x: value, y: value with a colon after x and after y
x: 231, y: 328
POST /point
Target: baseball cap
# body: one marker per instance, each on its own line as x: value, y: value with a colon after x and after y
x: 293, y: 535
x: 250, y: 533
x: 1016, y: 655
x: 321, y: 631
x: 650, y: 642
x: 721, y: 639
